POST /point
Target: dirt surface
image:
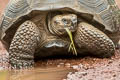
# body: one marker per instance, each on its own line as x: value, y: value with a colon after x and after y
x: 118, y: 2
x: 2, y: 5
x: 97, y: 69
x: 88, y: 68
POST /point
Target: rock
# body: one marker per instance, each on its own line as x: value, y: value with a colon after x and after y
x: 58, y: 66
x: 67, y: 65
x: 61, y: 63
x: 2, y: 5
x: 75, y: 67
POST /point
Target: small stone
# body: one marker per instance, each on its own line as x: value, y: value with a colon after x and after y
x: 80, y: 66
x: 82, y: 73
x: 61, y: 63
x: 75, y: 67
x: 67, y: 65
x: 50, y: 63
x: 110, y: 61
x: 114, y: 75
x: 58, y: 65
x: 70, y: 73
x: 1, y: 68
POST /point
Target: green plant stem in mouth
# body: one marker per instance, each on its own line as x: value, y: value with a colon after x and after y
x: 72, y: 45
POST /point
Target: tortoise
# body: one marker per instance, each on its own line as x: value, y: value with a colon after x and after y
x: 38, y: 28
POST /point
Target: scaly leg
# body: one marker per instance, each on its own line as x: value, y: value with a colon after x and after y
x: 94, y: 40
x: 23, y: 45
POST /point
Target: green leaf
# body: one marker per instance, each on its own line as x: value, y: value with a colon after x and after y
x: 72, y: 46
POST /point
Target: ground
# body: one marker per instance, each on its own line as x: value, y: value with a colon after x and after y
x: 87, y: 68
x: 118, y: 2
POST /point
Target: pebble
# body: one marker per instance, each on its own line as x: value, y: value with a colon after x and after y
x: 114, y: 75
x: 61, y: 63
x: 68, y: 65
x: 75, y: 66
x: 80, y: 65
x: 110, y: 61
x: 58, y: 66
x: 50, y: 63
x: 1, y: 68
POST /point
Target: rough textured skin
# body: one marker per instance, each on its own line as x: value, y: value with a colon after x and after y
x: 94, y: 40
x: 23, y: 45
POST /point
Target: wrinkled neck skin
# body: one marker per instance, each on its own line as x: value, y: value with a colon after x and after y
x: 49, y: 24
x: 50, y: 38
x: 61, y: 40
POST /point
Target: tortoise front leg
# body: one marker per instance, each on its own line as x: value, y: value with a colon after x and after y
x: 94, y: 41
x: 23, y: 45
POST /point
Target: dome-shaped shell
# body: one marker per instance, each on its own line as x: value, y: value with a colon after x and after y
x: 101, y: 10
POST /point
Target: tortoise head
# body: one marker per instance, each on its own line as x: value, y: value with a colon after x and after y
x: 62, y: 21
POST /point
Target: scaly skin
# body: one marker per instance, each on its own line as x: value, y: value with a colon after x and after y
x: 23, y: 45
x: 94, y: 41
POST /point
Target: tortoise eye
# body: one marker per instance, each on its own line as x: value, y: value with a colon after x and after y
x: 65, y: 21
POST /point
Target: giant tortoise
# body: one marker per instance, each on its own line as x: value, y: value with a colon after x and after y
x: 41, y: 28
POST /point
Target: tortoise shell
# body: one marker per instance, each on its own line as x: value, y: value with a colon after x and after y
x: 101, y: 11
